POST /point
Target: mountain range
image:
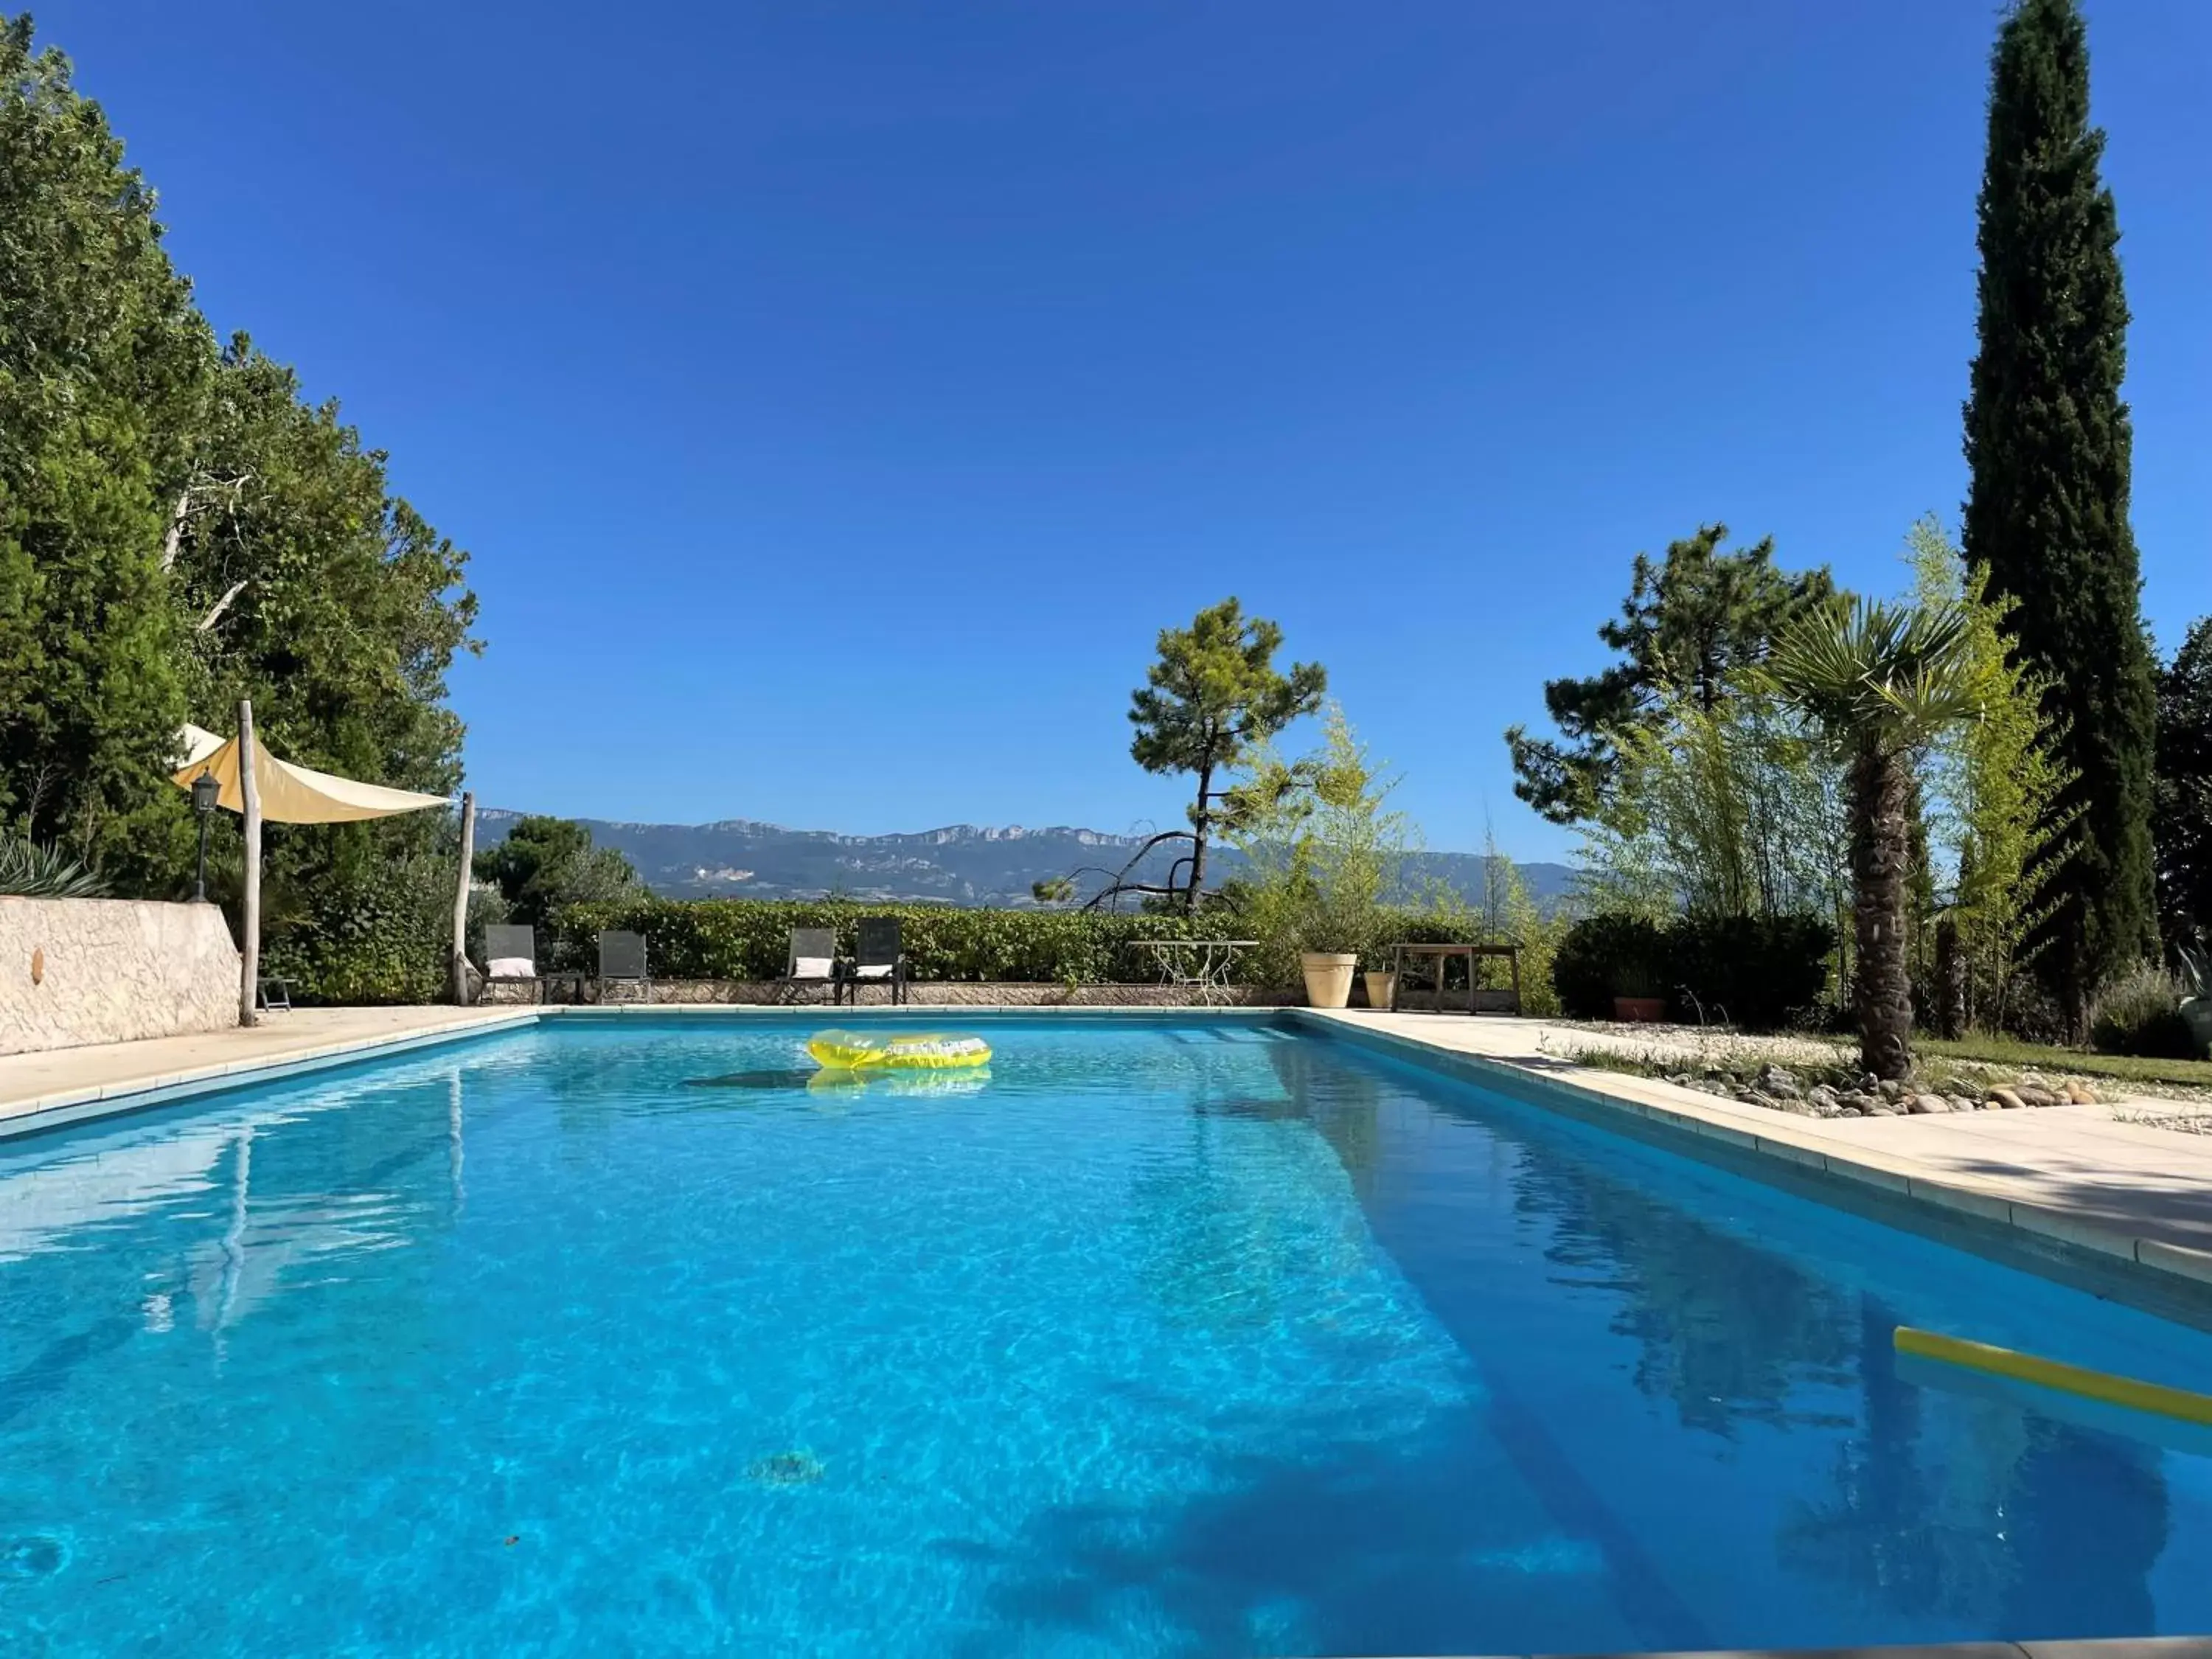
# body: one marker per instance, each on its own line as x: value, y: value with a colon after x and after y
x: 960, y: 864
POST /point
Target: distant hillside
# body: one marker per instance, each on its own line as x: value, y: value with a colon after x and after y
x: 958, y: 864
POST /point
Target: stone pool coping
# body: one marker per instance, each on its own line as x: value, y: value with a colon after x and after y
x: 2098, y: 1204
x: 2146, y: 1647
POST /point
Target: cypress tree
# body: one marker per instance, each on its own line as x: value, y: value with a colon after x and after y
x: 2047, y: 440
x: 2183, y: 820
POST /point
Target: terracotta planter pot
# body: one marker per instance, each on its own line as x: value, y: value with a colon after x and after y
x: 1328, y: 977
x: 1382, y: 987
x: 1639, y: 1010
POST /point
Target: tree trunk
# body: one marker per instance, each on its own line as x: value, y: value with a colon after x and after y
x: 2076, y: 988
x: 460, y: 963
x: 1199, y: 821
x: 249, y: 909
x: 1950, y: 979
x: 1880, y: 810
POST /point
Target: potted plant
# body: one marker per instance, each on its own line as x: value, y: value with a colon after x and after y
x: 1324, y: 851
x: 1328, y: 977
x: 1636, y: 999
x: 1378, y: 963
x: 1332, y: 933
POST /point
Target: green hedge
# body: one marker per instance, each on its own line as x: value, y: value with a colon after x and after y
x: 1758, y: 972
x: 1604, y: 957
x: 750, y: 940
x: 378, y: 934
x: 2141, y: 1014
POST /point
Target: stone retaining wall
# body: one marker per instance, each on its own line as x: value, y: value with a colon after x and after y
x: 78, y: 971
x: 935, y: 994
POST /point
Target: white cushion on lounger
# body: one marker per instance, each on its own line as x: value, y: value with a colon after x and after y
x: 878, y: 970
x: 511, y: 967
x: 809, y: 967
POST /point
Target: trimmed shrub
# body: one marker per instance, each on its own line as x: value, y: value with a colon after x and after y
x: 2141, y: 1014
x: 1604, y: 957
x: 378, y: 934
x: 1757, y: 972
x: 750, y: 940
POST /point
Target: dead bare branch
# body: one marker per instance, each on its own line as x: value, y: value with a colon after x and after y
x: 180, y: 515
x: 221, y: 605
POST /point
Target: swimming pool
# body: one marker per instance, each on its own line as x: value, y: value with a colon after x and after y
x: 1164, y: 1337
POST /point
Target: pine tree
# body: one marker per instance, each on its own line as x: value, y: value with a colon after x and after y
x: 2047, y: 439
x: 1214, y: 697
x: 1691, y: 624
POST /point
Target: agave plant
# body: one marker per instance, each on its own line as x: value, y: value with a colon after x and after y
x: 2192, y: 966
x: 30, y: 871
x: 2193, y: 969
x: 1880, y: 680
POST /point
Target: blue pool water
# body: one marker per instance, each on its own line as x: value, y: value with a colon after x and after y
x: 1163, y: 1339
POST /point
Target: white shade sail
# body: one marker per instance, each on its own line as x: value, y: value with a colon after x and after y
x: 289, y: 793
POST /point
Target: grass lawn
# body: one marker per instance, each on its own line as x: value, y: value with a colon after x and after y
x: 2082, y: 1063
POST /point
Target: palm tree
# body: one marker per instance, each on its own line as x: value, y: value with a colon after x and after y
x: 1881, y: 681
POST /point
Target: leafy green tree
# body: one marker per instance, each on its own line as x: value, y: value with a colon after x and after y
x: 1212, y: 698
x: 103, y: 366
x: 304, y: 584
x: 547, y: 863
x: 178, y: 532
x: 1719, y: 809
x: 1995, y: 783
x: 2048, y: 441
x: 1688, y: 627
x: 2185, y: 789
x: 312, y: 589
x: 1325, y: 849
x: 1881, y: 681
x: 1509, y: 915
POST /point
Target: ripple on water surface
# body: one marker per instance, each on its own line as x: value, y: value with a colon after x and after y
x: 1153, y: 1338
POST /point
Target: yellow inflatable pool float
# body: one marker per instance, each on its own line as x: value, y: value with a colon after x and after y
x: 897, y: 1051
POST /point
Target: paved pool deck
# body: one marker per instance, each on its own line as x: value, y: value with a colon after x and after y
x: 2070, y: 1174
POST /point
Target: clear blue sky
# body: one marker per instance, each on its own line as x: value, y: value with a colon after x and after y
x: 837, y: 398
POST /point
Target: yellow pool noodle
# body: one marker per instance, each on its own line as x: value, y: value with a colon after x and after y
x: 2154, y: 1397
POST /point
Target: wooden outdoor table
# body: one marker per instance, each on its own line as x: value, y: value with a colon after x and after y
x: 1479, y: 1001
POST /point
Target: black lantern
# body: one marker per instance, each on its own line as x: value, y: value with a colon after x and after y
x: 206, y: 791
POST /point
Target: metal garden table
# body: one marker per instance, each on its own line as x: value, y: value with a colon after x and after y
x: 1201, y: 966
